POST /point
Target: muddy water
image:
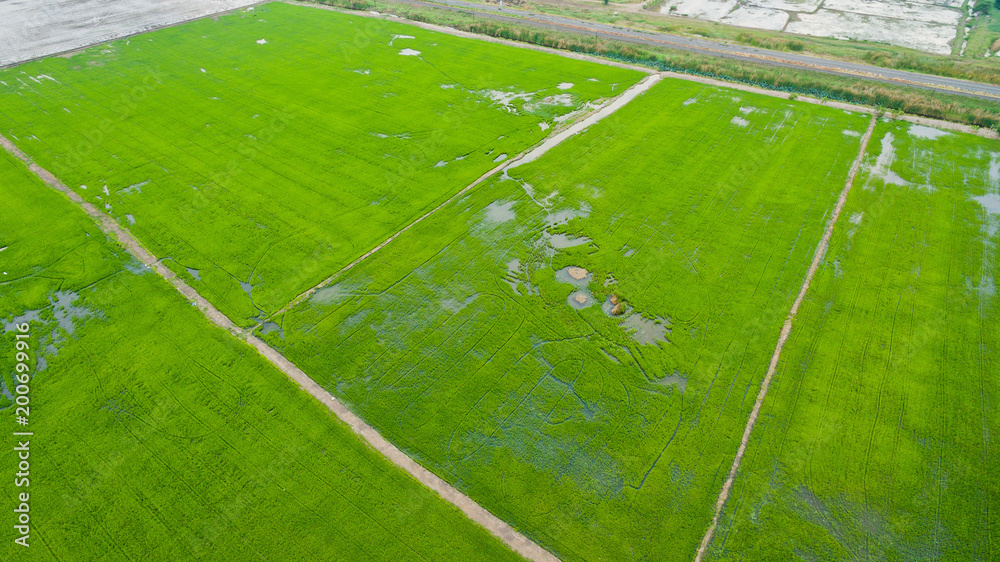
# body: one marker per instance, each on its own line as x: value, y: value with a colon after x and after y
x: 580, y: 299
x: 455, y: 305
x: 646, y: 332
x: 500, y: 212
x: 923, y: 132
x: 675, y: 379
x: 268, y: 327
x: 563, y: 276
x: 563, y: 216
x: 883, y: 164
x: 563, y: 241
x: 29, y: 316
x: 64, y: 310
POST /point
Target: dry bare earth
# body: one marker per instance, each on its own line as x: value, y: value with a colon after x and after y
x: 37, y: 28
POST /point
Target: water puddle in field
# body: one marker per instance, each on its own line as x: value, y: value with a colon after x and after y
x: 268, y: 327
x: 194, y: 273
x: 883, y: 163
x: 563, y: 216
x: 65, y: 312
x: 516, y: 277
x: 440, y: 164
x: 332, y: 294
x: 850, y: 133
x: 394, y: 37
x: 676, y: 380
x: 565, y: 85
x: 689, y: 101
x: 500, y: 158
x: 500, y: 212
x: 563, y: 241
x: 544, y: 126
x: 612, y: 358
x: 614, y: 306
x: 646, y: 332
x: 505, y: 99
x: 29, y: 316
x: 247, y: 288
x: 576, y: 276
x: 990, y: 202
x: 410, y: 53
x: 580, y: 300
x: 455, y: 305
x: 739, y: 122
x: 136, y: 267
x: 262, y: 41
x: 130, y: 219
x: 923, y: 132
x: 135, y: 188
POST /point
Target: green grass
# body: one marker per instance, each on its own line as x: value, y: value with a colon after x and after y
x: 160, y: 437
x: 274, y: 164
x: 558, y: 420
x: 878, y: 439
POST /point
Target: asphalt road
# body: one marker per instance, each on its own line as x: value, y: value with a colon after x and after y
x: 709, y: 47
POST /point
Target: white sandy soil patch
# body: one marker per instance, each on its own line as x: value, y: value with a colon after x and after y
x: 37, y: 28
x: 898, y: 10
x: 705, y: 9
x: 761, y: 18
x: 931, y: 37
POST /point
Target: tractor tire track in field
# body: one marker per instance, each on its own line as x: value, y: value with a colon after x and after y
x: 510, y: 537
x: 523, y: 158
x: 786, y: 329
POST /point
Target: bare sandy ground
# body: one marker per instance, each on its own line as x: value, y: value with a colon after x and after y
x: 31, y: 29
x: 786, y: 329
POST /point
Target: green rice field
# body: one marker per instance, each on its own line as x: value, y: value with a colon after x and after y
x: 160, y: 437
x: 463, y: 343
x: 878, y: 439
x: 575, y: 343
x: 259, y: 153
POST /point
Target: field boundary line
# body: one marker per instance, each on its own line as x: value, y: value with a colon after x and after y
x: 786, y: 329
x: 523, y: 157
x: 496, y: 526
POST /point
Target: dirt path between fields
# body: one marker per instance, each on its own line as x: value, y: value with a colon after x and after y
x: 514, y: 540
x: 785, y: 331
x: 557, y: 137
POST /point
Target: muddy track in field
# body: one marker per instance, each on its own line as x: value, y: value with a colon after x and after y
x: 786, y: 329
x: 514, y: 540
